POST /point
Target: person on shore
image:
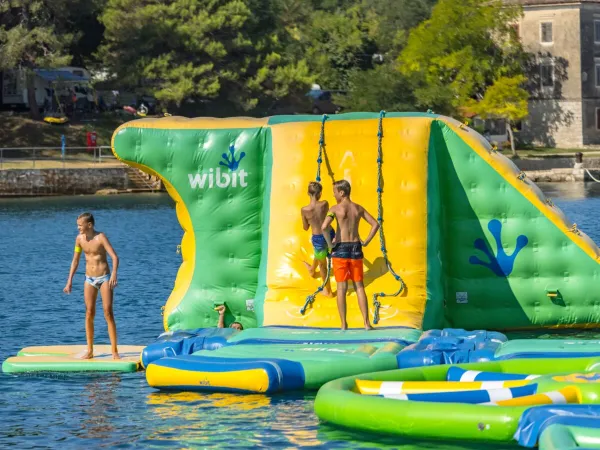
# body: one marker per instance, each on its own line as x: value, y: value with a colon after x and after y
x: 98, y: 278
x: 347, y: 255
x: 222, y: 309
x: 313, y: 216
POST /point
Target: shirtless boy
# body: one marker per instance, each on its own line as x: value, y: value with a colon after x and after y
x: 347, y: 255
x: 313, y: 216
x: 95, y: 245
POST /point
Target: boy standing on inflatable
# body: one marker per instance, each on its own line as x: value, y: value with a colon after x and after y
x: 347, y: 253
x: 95, y: 245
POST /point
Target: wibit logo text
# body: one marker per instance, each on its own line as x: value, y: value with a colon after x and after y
x: 221, y: 179
x: 216, y: 178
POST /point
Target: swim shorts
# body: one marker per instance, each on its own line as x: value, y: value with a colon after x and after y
x: 97, y: 281
x: 320, y: 244
x: 347, y: 258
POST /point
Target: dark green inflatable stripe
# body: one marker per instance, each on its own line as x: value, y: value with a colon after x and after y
x: 434, y: 311
x: 261, y: 291
x: 275, y: 120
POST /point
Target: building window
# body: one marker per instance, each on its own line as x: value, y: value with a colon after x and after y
x: 598, y: 75
x: 597, y: 118
x: 546, y: 36
x: 547, y: 74
x: 10, y: 83
x: 597, y: 31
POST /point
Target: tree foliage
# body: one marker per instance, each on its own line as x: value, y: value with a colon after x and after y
x: 461, y: 50
x: 32, y: 35
x: 200, y: 49
x: 248, y: 55
x: 505, y: 99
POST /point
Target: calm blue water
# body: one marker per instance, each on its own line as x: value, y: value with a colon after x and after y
x: 75, y: 410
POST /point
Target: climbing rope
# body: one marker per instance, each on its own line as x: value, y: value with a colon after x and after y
x: 321, y: 148
x: 311, y: 298
x: 376, y: 303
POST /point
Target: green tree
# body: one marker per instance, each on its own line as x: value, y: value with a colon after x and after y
x: 201, y: 49
x: 461, y: 50
x: 370, y: 76
x: 30, y: 39
x: 505, y: 99
x: 381, y: 88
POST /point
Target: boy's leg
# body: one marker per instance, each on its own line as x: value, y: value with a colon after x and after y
x: 362, y: 303
x: 107, y: 304
x: 323, y: 269
x: 342, y: 288
x: 90, y: 294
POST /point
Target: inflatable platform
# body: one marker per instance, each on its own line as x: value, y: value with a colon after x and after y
x: 486, y: 402
x: 67, y: 358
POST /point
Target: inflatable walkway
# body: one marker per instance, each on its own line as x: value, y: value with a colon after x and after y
x: 466, y: 241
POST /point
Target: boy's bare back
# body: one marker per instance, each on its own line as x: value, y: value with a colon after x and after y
x: 313, y: 215
x: 96, y: 262
x: 348, y: 215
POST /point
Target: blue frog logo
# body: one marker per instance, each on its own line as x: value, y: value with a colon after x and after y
x: 230, y: 161
x: 501, y: 263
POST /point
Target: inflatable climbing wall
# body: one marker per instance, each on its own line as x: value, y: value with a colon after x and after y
x: 475, y: 243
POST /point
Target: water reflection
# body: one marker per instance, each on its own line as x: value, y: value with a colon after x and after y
x: 570, y: 190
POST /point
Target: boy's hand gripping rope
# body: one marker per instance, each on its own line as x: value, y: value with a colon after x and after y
x: 311, y: 298
x: 376, y: 304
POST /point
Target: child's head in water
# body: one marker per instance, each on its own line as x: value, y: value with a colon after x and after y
x: 315, y: 189
x: 236, y: 326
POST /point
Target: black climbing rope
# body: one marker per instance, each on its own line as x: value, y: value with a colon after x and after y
x: 311, y: 298
x: 376, y: 303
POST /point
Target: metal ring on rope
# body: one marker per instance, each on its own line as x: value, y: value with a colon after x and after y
x: 376, y: 303
x: 311, y: 298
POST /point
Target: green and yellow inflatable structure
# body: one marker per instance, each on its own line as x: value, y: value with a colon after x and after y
x: 475, y: 243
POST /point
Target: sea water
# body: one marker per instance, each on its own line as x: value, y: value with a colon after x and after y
x: 37, y: 237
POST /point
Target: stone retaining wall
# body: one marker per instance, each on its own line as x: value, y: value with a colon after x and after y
x: 61, y: 181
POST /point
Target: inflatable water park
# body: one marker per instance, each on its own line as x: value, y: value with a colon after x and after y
x: 468, y: 251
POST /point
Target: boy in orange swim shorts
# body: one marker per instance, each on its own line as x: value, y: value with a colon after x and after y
x: 347, y: 255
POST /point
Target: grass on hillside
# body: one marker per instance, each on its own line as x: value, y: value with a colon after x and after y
x: 21, y: 131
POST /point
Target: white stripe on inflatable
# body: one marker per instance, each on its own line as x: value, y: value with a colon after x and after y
x: 492, y: 384
x: 397, y: 396
x: 390, y: 387
x: 532, y: 377
x: 500, y: 394
x: 556, y: 397
x: 469, y: 375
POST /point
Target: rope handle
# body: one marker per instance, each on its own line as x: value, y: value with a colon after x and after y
x: 376, y: 302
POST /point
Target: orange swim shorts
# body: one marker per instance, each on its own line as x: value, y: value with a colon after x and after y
x: 346, y: 269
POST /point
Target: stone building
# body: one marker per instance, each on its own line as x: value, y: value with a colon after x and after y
x: 564, y: 37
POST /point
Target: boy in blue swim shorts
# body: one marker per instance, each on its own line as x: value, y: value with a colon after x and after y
x: 313, y: 216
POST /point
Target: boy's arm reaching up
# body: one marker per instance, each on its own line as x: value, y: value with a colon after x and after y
x: 74, y: 265
x: 374, y: 226
x: 115, y: 260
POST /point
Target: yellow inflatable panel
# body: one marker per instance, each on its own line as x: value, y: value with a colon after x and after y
x: 367, y: 387
x: 350, y: 156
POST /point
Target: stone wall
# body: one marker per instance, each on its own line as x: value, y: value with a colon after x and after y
x: 554, y: 123
x: 61, y: 181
